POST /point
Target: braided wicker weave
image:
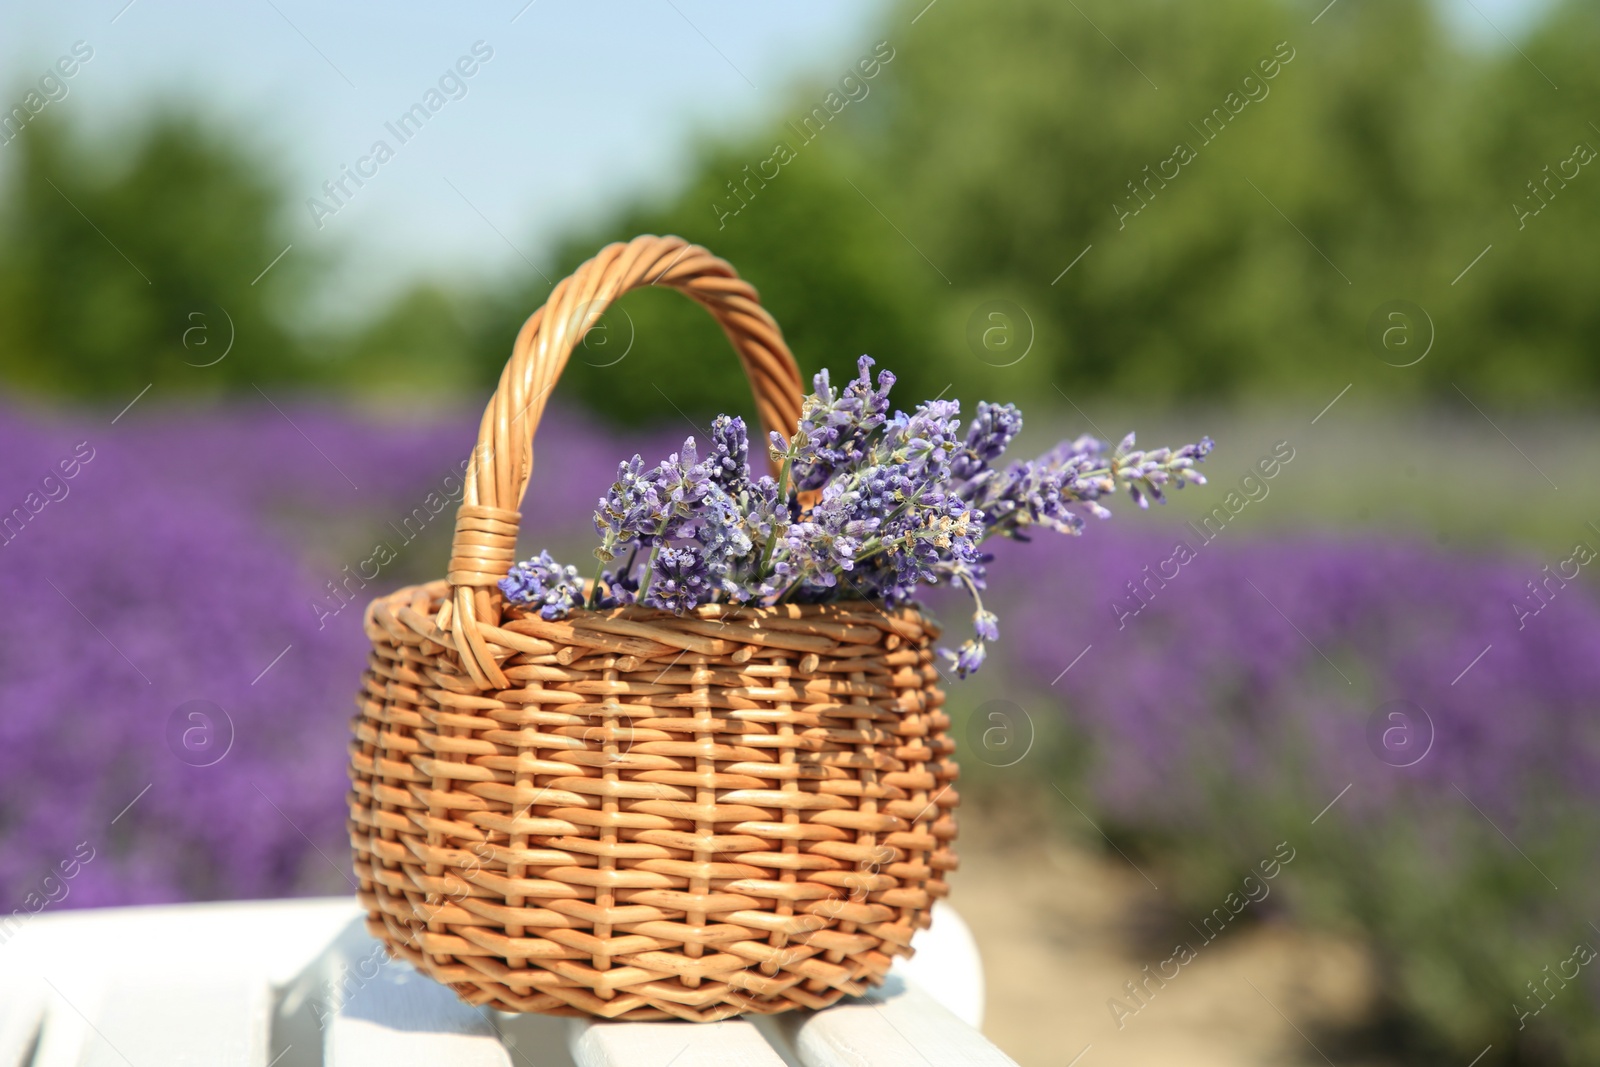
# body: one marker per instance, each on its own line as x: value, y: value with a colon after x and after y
x: 627, y: 813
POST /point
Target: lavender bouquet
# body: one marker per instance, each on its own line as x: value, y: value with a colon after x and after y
x: 867, y: 505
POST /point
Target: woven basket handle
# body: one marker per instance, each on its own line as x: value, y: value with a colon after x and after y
x: 485, y: 542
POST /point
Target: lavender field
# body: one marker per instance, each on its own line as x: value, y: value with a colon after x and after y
x: 182, y: 642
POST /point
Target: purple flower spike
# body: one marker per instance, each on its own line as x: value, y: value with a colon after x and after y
x: 834, y: 429
x: 967, y: 659
x: 543, y: 583
x: 729, y: 461
x: 988, y: 436
x: 901, y: 501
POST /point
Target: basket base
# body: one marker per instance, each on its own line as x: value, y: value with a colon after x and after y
x: 656, y: 1001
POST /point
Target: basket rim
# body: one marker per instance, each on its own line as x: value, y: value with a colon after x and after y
x: 911, y: 620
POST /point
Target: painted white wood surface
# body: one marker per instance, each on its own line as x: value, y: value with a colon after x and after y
x: 183, y: 965
x: 537, y: 1040
x: 732, y: 1043
x: 363, y: 1009
x: 65, y: 1033
x: 298, y: 983
x: 401, y: 1019
x: 188, y: 1022
x: 897, y: 1025
x: 21, y: 1012
x: 947, y: 965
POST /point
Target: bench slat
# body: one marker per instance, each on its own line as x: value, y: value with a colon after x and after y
x: 897, y: 1025
x: 732, y: 1043
x: 195, y: 1022
x: 21, y: 1014
x: 397, y: 1018
x: 947, y: 966
x: 65, y: 1031
x: 363, y: 1014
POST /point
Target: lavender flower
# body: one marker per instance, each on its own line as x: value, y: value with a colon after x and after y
x: 968, y: 658
x: 763, y: 511
x: 834, y: 430
x: 681, y: 483
x: 723, y: 541
x: 925, y: 440
x: 651, y: 507
x: 681, y: 579
x: 630, y: 511
x: 729, y: 462
x: 1146, y: 472
x: 988, y: 436
x: 939, y: 538
x: 902, y: 502
x: 985, y: 626
x: 544, y: 583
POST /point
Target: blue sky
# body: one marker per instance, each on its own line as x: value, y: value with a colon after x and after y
x: 578, y: 104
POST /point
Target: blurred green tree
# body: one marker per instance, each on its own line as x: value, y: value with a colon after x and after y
x: 147, y: 268
x: 1233, y: 233
x: 1525, y: 320
x: 813, y: 250
x: 1237, y: 188
x: 417, y: 345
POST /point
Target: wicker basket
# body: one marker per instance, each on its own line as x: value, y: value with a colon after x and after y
x: 627, y: 813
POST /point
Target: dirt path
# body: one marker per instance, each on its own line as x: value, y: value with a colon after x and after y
x: 1055, y: 929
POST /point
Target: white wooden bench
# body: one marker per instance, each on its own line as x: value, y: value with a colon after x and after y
x: 299, y: 982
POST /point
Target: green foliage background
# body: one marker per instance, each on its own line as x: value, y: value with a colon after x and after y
x: 988, y: 153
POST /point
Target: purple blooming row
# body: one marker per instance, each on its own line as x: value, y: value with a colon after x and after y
x: 221, y: 555
x: 895, y: 502
x: 1208, y: 723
